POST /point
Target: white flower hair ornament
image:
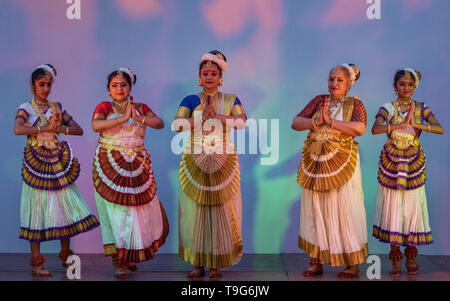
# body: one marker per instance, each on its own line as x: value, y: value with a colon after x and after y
x: 218, y: 59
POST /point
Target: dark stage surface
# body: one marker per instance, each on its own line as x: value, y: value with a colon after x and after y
x: 252, y: 267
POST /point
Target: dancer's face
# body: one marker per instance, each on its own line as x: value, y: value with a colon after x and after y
x: 119, y: 89
x: 405, y: 87
x: 42, y: 88
x: 338, y: 83
x: 210, y: 77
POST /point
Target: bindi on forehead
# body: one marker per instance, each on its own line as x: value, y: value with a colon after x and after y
x: 210, y: 68
x: 332, y: 76
x: 406, y: 80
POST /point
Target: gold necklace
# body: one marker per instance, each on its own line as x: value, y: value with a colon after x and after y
x: 117, y: 106
x: 41, y: 103
x: 398, y: 114
x: 404, y: 102
x: 213, y: 97
x: 337, y: 98
x: 43, y: 119
x: 397, y: 105
x: 341, y: 106
x: 340, y: 103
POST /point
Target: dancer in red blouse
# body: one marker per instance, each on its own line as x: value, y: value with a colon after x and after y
x: 333, y: 218
x: 133, y: 221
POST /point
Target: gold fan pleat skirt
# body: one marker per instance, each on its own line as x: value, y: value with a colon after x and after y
x: 210, y: 207
x: 328, y: 161
x: 212, y: 176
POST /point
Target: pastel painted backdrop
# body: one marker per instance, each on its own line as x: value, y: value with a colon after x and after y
x: 279, y: 55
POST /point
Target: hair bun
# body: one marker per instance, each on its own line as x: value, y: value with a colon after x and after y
x: 419, y: 74
x: 48, y: 69
x: 218, y: 54
x: 54, y: 69
x: 356, y: 69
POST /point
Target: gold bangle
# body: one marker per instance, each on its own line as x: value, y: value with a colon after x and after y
x: 314, y: 125
x: 429, y: 128
x: 117, y: 121
x: 389, y: 128
x: 67, y: 130
x: 39, y: 129
x: 143, y: 120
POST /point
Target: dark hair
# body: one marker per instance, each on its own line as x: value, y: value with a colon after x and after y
x: 125, y: 75
x: 215, y: 52
x: 401, y: 73
x: 39, y: 73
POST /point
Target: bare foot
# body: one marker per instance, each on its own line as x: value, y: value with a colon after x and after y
x: 197, y: 272
x: 350, y: 272
x: 215, y: 273
x: 40, y: 271
x: 120, y: 273
x: 314, y: 270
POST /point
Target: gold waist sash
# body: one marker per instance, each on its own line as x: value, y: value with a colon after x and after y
x: 47, y: 140
x: 202, y: 138
x: 403, y: 140
x: 217, y: 144
x: 328, y: 161
x: 126, y: 150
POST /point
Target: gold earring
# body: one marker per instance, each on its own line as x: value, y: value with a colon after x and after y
x: 221, y: 82
x: 200, y: 82
x: 348, y: 90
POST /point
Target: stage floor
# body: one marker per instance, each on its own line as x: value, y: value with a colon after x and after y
x: 252, y: 267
